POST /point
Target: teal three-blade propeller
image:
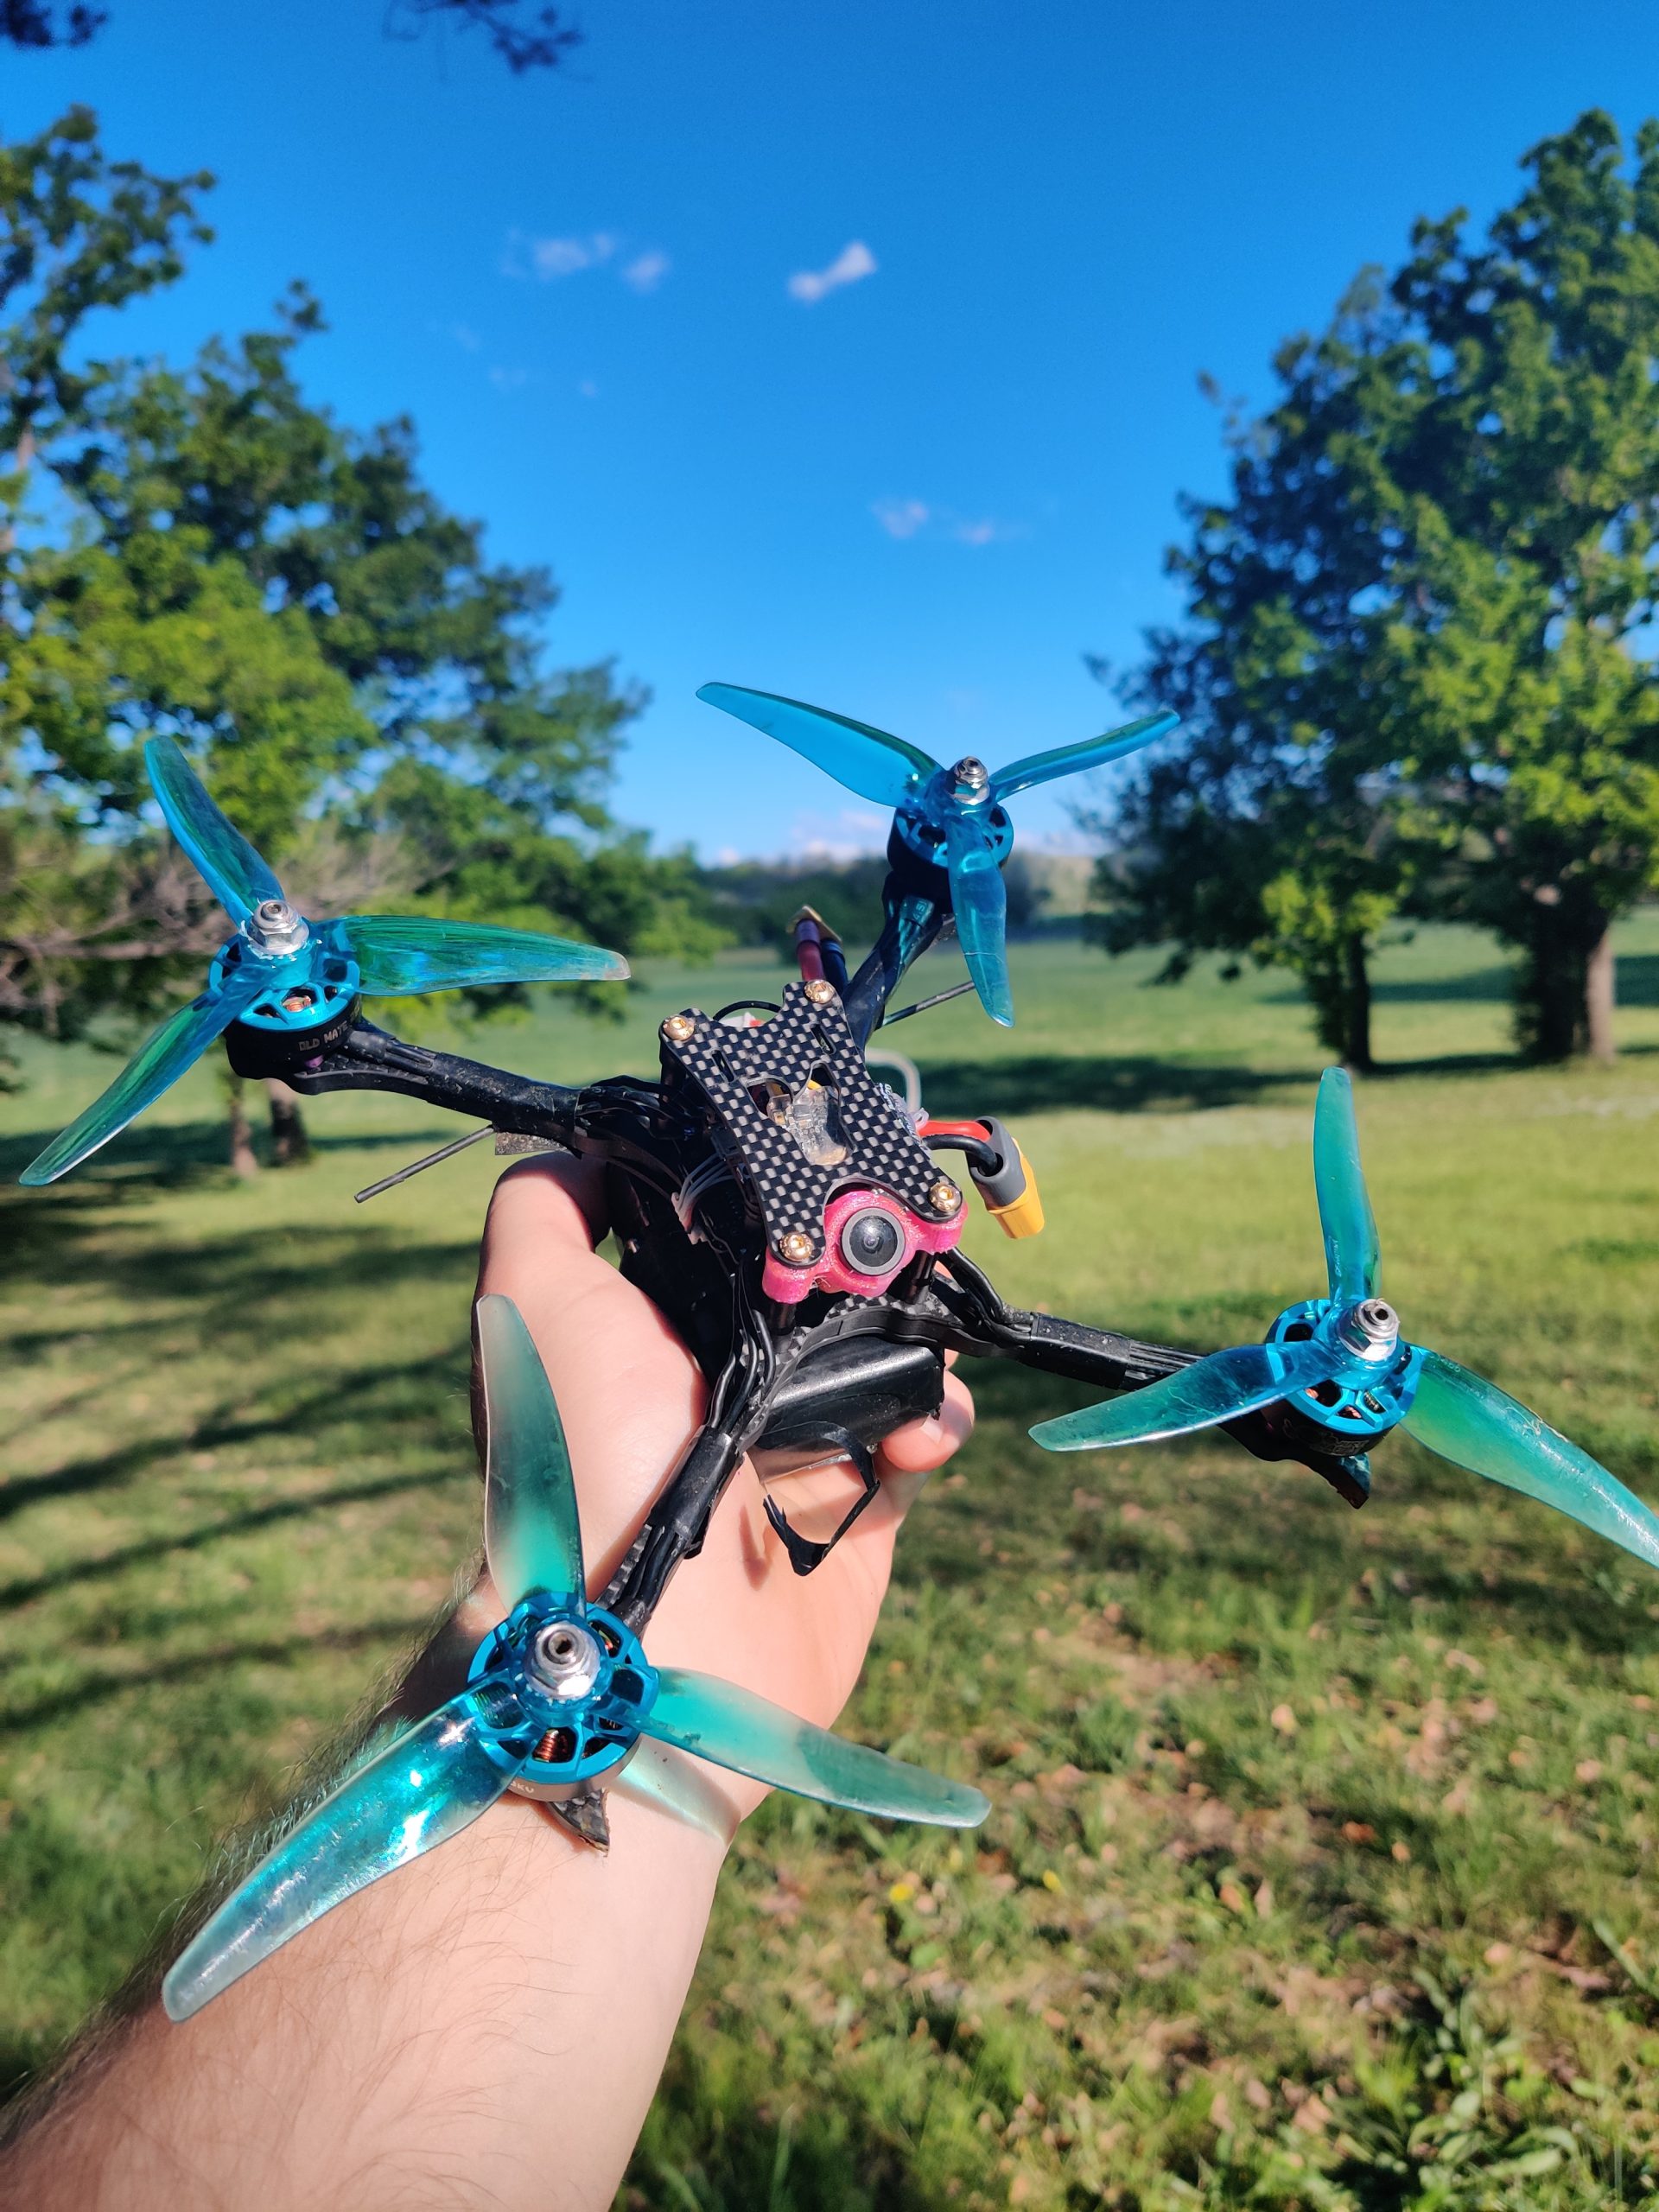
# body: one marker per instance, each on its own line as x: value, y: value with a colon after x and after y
x: 953, y: 816
x: 1341, y: 1363
x: 558, y: 1697
x: 289, y: 976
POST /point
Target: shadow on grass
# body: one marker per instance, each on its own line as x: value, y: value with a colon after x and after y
x: 1637, y: 978
x: 257, y: 1281
x: 1474, y: 986
x: 97, y: 1689
x: 1118, y: 1083
x: 159, y: 1155
x: 174, y: 1155
x: 250, y: 1281
x: 1467, y: 1063
x: 355, y: 1395
x: 1139, y: 1083
x: 1493, y: 985
x: 1446, y: 1065
x: 304, y: 1507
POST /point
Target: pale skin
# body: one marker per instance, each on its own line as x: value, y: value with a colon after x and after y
x: 486, y: 2027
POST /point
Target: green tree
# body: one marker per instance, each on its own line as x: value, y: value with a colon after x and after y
x: 1524, y: 483
x: 205, y: 551
x: 491, y: 774
x: 1270, y: 827
x: 1414, y: 657
x: 80, y: 233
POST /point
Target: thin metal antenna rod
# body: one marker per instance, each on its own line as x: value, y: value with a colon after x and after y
x: 418, y: 1167
x: 922, y: 1005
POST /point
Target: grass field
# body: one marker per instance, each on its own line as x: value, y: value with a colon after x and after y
x: 1321, y: 1870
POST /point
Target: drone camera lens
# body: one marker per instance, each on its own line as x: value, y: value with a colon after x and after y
x: 872, y: 1242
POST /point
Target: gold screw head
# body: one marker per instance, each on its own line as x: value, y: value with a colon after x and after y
x: 820, y: 991
x: 945, y: 1197
x: 797, y: 1248
x: 679, y: 1028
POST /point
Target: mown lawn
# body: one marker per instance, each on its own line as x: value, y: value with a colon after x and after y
x: 1320, y: 1870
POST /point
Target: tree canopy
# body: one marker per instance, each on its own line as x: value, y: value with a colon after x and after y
x: 1413, y: 660
x: 203, y: 551
x: 525, y: 36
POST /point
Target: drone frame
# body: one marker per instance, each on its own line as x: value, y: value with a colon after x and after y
x: 787, y: 1214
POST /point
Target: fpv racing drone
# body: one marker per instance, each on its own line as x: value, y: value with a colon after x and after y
x: 791, y: 1218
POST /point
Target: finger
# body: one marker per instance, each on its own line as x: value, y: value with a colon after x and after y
x: 555, y: 1194
x: 922, y: 1446
x: 915, y: 1453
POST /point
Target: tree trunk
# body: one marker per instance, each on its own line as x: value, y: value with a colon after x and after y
x: 1550, y: 989
x: 1600, y: 995
x: 1356, y: 1008
x: 290, y: 1145
x: 1338, y: 985
x: 243, y: 1157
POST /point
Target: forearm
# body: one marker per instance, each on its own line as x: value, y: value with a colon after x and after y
x: 486, y: 2026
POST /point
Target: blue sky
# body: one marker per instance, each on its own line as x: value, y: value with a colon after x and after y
x: 917, y: 494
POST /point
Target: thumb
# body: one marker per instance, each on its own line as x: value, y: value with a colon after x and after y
x: 914, y: 1454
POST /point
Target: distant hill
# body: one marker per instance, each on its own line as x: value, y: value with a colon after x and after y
x: 756, y: 900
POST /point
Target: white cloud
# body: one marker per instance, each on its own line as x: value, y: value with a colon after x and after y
x: 849, y: 835
x: 901, y: 517
x: 843, y: 836
x: 550, y: 258
x: 509, y: 380
x: 853, y: 261
x: 915, y: 518
x: 547, y: 260
x: 588, y: 389
x: 646, y: 270
x: 554, y: 257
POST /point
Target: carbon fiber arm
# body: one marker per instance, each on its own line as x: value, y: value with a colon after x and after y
x: 368, y: 1059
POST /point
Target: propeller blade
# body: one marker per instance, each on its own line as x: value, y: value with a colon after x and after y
x: 1475, y: 1425
x: 163, y: 1057
x: 734, y: 1728
x: 432, y: 1783
x: 1216, y: 1388
x: 1353, y: 1256
x: 883, y: 769
x: 222, y: 856
x: 532, y: 1538
x: 980, y: 904
x: 1073, y: 760
x: 402, y: 955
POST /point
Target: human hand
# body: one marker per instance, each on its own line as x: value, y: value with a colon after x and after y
x: 630, y: 1397
x: 406, y: 2037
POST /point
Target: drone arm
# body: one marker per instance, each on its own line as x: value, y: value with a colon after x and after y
x: 991, y: 1328
x: 368, y: 1059
x: 914, y: 917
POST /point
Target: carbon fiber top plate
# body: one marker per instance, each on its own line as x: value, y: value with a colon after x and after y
x: 802, y: 1041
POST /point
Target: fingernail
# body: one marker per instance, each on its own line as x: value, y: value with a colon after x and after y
x: 904, y: 1487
